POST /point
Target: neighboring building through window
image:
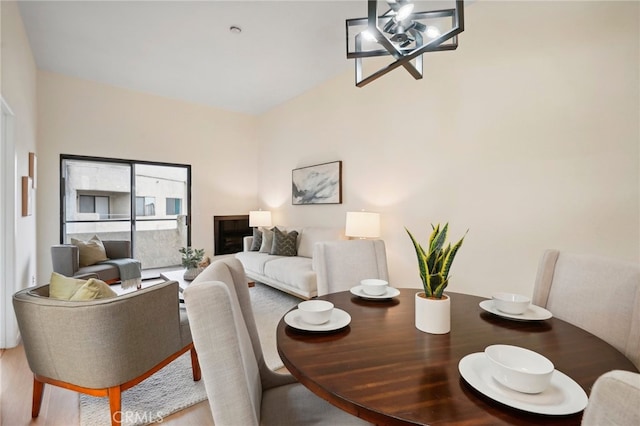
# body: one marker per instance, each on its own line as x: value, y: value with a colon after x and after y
x: 174, y: 206
x: 145, y: 206
x: 94, y: 204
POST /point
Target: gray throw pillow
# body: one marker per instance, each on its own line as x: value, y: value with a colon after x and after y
x: 257, y: 240
x: 267, y: 240
x: 284, y: 244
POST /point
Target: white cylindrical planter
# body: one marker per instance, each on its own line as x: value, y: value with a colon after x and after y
x: 433, y: 315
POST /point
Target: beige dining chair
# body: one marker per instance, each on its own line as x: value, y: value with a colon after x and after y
x: 614, y: 400
x: 597, y: 294
x: 101, y: 347
x: 240, y: 387
x: 340, y: 265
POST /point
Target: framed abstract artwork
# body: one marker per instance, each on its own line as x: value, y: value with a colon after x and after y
x: 319, y: 184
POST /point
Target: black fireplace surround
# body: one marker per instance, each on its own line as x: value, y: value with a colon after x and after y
x: 228, y: 232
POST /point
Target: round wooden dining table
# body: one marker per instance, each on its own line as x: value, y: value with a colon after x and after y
x: 384, y: 370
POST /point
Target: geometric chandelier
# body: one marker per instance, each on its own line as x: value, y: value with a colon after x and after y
x: 403, y: 34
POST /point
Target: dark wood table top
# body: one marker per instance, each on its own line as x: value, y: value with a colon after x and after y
x: 384, y: 370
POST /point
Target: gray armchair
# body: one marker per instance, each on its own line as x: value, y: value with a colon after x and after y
x: 102, y: 347
x: 614, y: 400
x: 66, y: 260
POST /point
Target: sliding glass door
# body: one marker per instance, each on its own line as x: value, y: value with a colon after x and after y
x: 144, y: 202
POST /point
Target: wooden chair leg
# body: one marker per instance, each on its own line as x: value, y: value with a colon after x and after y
x: 195, y: 365
x: 38, y: 391
x: 115, y: 405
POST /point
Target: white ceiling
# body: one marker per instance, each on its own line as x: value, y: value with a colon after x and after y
x: 184, y: 49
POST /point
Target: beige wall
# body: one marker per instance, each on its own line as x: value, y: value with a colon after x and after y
x: 527, y: 135
x: 18, y: 88
x: 84, y: 118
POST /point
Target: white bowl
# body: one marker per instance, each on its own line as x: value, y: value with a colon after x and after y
x: 519, y: 369
x: 374, y: 287
x: 315, y: 311
x: 511, y: 303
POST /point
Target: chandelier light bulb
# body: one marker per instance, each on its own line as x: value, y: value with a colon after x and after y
x: 404, y: 12
x: 433, y: 32
x: 368, y: 35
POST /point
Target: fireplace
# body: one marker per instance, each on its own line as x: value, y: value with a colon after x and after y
x: 228, y: 232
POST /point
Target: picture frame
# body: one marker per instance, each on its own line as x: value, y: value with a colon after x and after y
x: 317, y: 184
x: 27, y: 196
x: 33, y: 168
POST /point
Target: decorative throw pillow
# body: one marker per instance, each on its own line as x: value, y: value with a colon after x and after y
x: 61, y: 287
x: 257, y: 240
x: 92, y: 290
x: 284, y: 244
x: 267, y: 240
x: 91, y: 252
x: 65, y: 288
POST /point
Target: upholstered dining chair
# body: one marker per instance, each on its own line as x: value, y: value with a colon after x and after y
x: 102, y: 347
x: 240, y: 387
x: 340, y: 265
x: 598, y: 294
x: 614, y: 400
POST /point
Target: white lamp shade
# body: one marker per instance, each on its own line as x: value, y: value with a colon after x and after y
x: 362, y: 225
x: 259, y: 218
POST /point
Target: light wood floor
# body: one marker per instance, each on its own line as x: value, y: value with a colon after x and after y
x: 60, y: 406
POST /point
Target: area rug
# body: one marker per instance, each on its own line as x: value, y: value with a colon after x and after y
x: 172, y: 389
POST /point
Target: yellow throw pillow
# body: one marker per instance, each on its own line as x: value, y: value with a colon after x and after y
x: 91, y: 252
x: 61, y: 287
x: 93, y: 289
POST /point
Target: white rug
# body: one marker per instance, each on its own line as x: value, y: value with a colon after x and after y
x: 172, y: 389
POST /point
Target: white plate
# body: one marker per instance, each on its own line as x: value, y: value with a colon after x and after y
x: 563, y: 396
x: 533, y: 313
x: 359, y: 291
x: 339, y: 319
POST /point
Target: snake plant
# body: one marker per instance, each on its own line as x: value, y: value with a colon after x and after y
x: 435, y: 263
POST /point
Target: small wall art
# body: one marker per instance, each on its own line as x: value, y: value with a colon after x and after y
x: 27, y: 196
x: 33, y: 168
x: 319, y: 184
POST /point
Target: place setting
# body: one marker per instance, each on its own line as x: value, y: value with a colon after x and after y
x: 317, y: 316
x: 514, y: 307
x: 522, y: 379
x: 375, y: 290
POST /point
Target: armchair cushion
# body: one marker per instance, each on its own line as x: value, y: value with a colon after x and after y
x: 93, y: 289
x: 91, y: 252
x: 73, y: 289
x: 62, y: 288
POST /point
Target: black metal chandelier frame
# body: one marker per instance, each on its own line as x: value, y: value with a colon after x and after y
x: 403, y: 56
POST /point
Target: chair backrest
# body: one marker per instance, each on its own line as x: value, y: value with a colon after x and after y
x: 340, y: 265
x: 614, y: 400
x: 220, y: 327
x: 597, y: 294
x: 99, y: 343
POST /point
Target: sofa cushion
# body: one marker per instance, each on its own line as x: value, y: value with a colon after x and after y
x: 91, y: 252
x: 255, y: 261
x: 311, y: 235
x: 284, y: 243
x: 267, y: 240
x: 294, y: 271
x: 257, y: 240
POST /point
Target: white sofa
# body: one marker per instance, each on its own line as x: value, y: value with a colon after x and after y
x: 291, y: 274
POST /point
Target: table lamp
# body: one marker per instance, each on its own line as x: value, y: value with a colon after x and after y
x: 362, y: 225
x: 259, y: 218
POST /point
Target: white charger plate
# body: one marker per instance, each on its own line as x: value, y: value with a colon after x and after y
x: 563, y: 396
x: 339, y: 319
x: 533, y: 312
x: 389, y: 293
